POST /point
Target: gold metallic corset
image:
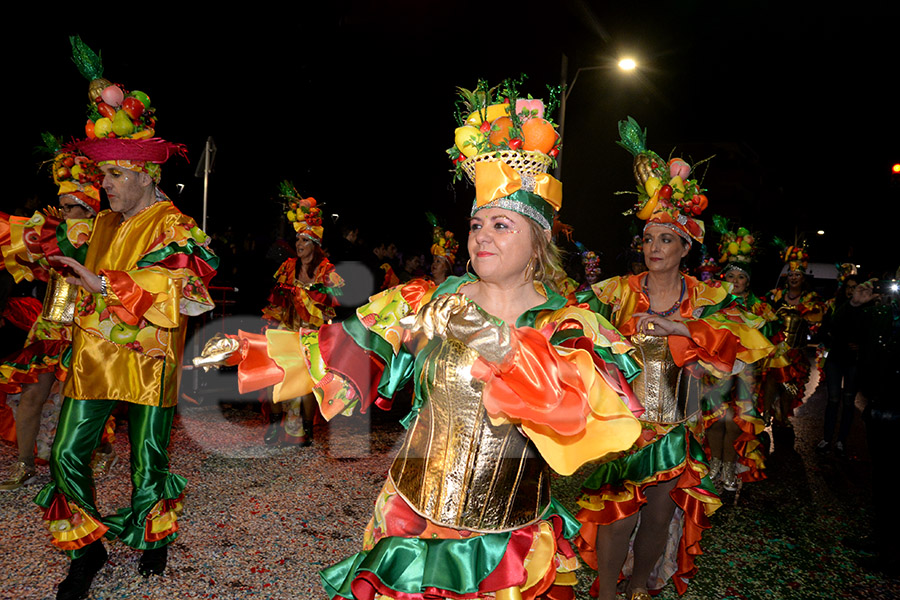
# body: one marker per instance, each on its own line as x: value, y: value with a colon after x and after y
x: 794, y: 329
x: 59, y: 300
x: 668, y: 395
x: 457, y: 469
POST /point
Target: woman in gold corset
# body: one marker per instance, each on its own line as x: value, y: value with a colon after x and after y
x: 510, y: 379
x: 643, y: 513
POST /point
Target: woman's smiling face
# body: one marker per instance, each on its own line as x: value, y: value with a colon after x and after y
x: 500, y: 245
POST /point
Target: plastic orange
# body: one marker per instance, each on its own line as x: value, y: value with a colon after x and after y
x: 501, y: 134
x: 539, y: 135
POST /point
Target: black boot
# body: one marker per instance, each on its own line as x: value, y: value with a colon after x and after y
x: 153, y: 562
x: 272, y: 436
x: 78, y: 582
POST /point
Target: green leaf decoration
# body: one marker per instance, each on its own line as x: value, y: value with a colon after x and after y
x: 779, y: 243
x: 633, y: 138
x: 52, y: 145
x: 286, y: 189
x: 88, y: 62
x: 721, y: 224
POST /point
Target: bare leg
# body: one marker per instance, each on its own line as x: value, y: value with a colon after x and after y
x: 612, y: 548
x: 28, y: 417
x: 715, y: 436
x: 653, y: 532
x: 732, y: 431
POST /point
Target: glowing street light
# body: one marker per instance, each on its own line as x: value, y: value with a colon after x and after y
x: 627, y: 64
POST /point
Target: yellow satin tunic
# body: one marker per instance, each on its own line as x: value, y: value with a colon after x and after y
x: 104, y: 365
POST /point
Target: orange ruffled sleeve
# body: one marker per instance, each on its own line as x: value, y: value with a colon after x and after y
x: 559, y: 400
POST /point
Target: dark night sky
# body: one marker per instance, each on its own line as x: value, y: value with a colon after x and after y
x: 354, y: 104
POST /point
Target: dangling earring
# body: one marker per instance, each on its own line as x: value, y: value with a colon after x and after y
x: 469, y: 262
x: 529, y: 270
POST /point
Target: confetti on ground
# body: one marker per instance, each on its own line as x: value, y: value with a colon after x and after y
x: 259, y: 523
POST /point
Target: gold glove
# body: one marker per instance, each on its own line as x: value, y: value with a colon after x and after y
x: 216, y: 352
x: 455, y: 317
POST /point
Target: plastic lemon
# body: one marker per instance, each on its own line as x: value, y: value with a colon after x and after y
x: 467, y: 140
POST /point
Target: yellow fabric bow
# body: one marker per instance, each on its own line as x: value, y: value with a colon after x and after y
x: 496, y: 179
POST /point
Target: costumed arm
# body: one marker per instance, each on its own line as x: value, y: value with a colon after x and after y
x: 723, y: 336
x: 170, y: 278
x: 362, y: 361
x: 28, y: 244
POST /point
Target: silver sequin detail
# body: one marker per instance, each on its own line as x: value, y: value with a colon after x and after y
x: 515, y: 206
x: 528, y: 183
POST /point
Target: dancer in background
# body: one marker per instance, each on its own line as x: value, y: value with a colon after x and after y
x: 306, y: 293
x: 643, y: 514
x: 44, y: 359
x: 799, y: 313
x: 443, y: 251
x: 730, y: 406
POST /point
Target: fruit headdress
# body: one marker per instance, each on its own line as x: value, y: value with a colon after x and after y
x: 302, y: 212
x: 737, y: 248
x: 75, y: 176
x: 795, y: 257
x: 708, y: 267
x: 505, y: 145
x: 590, y: 261
x: 121, y: 125
x: 665, y: 194
x: 443, y: 243
x: 845, y: 270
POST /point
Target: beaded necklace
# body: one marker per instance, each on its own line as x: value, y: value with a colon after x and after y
x: 675, y: 306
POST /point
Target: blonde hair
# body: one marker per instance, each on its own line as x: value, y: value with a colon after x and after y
x: 547, y: 258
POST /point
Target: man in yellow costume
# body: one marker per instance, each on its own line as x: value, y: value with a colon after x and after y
x: 146, y: 271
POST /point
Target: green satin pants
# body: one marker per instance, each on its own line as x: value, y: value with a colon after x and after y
x: 78, y: 433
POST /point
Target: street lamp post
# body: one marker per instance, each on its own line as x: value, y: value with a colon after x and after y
x: 626, y: 64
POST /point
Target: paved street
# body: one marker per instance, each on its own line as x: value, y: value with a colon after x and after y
x: 259, y: 523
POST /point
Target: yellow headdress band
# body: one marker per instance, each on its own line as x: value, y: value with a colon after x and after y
x: 537, y: 196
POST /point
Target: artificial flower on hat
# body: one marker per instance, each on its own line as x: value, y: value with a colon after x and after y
x: 505, y: 145
x: 303, y: 213
x: 665, y: 194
